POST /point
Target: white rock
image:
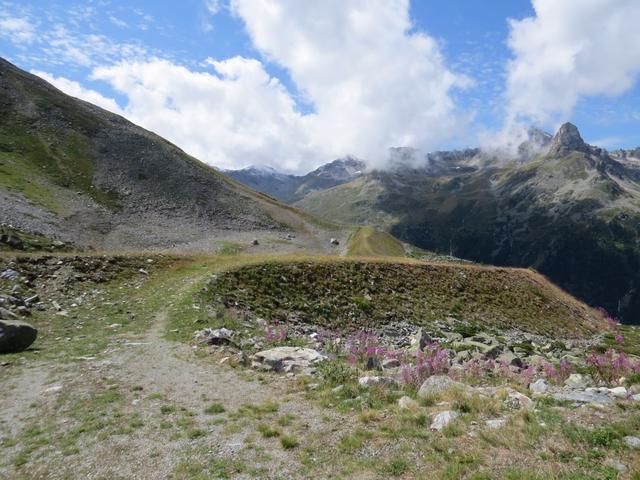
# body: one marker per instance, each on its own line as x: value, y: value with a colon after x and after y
x: 289, y: 358
x: 496, y: 423
x: 376, y: 380
x: 632, y: 442
x: 578, y: 381
x: 539, y: 386
x: 636, y: 397
x: 618, y: 392
x: 55, y: 388
x: 442, y: 419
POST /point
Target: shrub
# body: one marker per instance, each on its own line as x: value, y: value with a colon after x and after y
x: 288, y: 442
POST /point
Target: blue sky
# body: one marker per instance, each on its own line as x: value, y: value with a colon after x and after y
x: 81, y: 41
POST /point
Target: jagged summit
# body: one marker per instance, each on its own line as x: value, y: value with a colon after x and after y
x: 567, y: 139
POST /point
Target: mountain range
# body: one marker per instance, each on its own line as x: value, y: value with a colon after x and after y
x: 74, y: 172
x: 561, y: 206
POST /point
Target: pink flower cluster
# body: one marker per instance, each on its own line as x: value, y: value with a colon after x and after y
x: 418, y: 366
x: 274, y: 335
x: 612, y: 365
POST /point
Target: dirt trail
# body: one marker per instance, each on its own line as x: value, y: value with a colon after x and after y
x: 150, y: 372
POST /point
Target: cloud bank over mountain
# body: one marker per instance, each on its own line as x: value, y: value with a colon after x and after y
x: 321, y: 80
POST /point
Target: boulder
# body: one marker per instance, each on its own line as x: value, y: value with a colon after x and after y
x: 618, y: 392
x: 582, y: 397
x: 369, y: 381
x: 516, y: 400
x: 509, y: 358
x: 442, y: 419
x: 578, y: 381
x: 280, y: 359
x: 436, y: 384
x: 16, y: 336
x: 632, y: 442
x: 217, y: 336
x: 390, y: 363
x: 540, y: 386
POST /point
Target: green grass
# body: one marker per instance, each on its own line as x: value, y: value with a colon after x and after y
x: 422, y: 292
x: 214, y: 409
x: 289, y: 442
x: 370, y: 242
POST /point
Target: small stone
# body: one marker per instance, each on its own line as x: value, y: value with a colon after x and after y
x: 539, y: 386
x: 407, y: 403
x: 632, y: 442
x: 373, y: 363
x: 390, y: 363
x: 218, y: 336
x: 496, y: 423
x: 293, y: 358
x: 510, y: 359
x: 583, y: 397
x: 442, y: 419
x: 55, y: 388
x: 335, y: 241
x: 255, y: 242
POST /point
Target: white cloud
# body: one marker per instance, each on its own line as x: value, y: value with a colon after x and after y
x: 18, y: 30
x: 233, y: 116
x: 375, y: 83
x: 569, y: 50
x: 74, y: 89
x: 213, y: 6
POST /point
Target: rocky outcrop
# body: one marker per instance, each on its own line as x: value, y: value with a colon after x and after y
x: 566, y: 140
x: 16, y: 336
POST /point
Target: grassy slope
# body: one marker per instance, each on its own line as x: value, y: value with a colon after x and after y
x: 371, y: 242
x: 356, y: 294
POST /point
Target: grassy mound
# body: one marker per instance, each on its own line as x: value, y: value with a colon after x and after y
x: 371, y: 242
x: 353, y: 295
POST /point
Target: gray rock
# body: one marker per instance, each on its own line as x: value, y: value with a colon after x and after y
x: 290, y: 357
x: 516, y: 400
x: 436, y: 384
x: 9, y: 274
x: 16, y: 336
x: 442, y: 419
x: 377, y: 380
x: 217, y: 336
x: 509, y: 358
x: 582, y: 397
x: 539, y: 386
x: 335, y: 241
x: 7, y: 314
x: 496, y: 423
x: 373, y: 363
x: 578, y: 381
x: 255, y: 242
x: 618, y: 392
x: 407, y: 403
x: 632, y: 442
x: 391, y: 363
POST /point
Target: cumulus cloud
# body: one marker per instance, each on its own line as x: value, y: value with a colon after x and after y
x: 74, y: 89
x: 375, y: 83
x: 569, y: 50
x: 234, y: 115
x: 18, y: 30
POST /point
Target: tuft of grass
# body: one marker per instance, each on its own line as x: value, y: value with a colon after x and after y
x: 214, y: 409
x: 268, y: 431
x: 289, y: 442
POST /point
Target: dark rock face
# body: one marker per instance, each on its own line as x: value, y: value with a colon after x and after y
x: 16, y: 336
x: 291, y: 188
x: 114, y: 180
x: 566, y: 140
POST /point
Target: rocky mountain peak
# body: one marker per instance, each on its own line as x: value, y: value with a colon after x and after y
x: 567, y: 139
